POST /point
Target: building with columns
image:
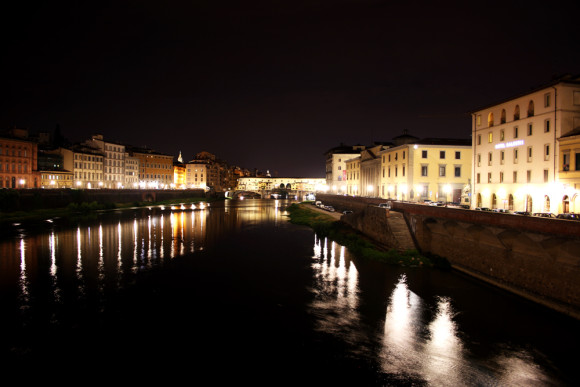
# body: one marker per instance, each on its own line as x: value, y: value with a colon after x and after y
x: 523, y: 149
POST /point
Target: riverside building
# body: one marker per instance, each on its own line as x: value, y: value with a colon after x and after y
x: 113, y: 163
x: 436, y: 169
x: 525, y: 150
x: 18, y: 160
x: 336, y: 174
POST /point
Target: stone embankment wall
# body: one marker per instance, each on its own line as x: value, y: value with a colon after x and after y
x: 537, y: 258
x: 57, y: 198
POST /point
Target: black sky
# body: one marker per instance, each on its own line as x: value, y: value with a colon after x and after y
x: 273, y: 84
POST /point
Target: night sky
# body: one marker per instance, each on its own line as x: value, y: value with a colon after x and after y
x: 273, y: 84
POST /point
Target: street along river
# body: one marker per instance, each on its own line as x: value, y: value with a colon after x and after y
x: 235, y: 293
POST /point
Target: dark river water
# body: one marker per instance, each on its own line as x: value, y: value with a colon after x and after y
x: 233, y: 293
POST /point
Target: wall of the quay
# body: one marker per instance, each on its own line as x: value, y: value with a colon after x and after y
x: 537, y: 258
x: 57, y: 198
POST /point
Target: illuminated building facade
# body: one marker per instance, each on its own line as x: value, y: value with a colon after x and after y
x: 370, y: 167
x: 353, y: 176
x: 86, y: 164
x: 522, y: 148
x: 336, y: 176
x: 56, y: 179
x: 179, y: 172
x: 196, y: 174
x: 18, y: 160
x: 113, y: 163
x: 263, y: 183
x: 131, y: 171
x: 569, y: 169
x: 428, y: 169
x: 155, y: 169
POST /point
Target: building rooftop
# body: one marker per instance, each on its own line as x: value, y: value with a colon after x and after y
x: 567, y: 78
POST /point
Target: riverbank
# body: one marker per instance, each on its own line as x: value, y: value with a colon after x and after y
x: 329, y: 225
x: 83, y: 210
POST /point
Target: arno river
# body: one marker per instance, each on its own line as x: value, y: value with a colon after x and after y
x: 234, y: 293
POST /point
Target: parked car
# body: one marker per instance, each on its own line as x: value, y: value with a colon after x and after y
x: 568, y: 216
x: 385, y: 205
x: 544, y: 215
x: 346, y: 212
x: 329, y: 208
x: 525, y: 213
x: 502, y: 210
x: 482, y: 209
x: 318, y: 203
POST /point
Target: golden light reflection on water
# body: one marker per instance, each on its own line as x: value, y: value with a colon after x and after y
x: 336, y: 290
x: 94, y: 258
x: 24, y: 291
x: 419, y: 341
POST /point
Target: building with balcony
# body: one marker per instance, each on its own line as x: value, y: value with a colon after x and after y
x: 523, y: 148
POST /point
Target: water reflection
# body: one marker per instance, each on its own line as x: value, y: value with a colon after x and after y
x: 419, y: 341
x: 380, y: 317
x: 336, y: 290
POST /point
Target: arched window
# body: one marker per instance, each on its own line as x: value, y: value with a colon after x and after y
x: 511, y: 202
x: 502, y: 119
x: 546, y: 203
x: 529, y: 203
x: 478, y: 204
x: 493, y: 201
x: 517, y: 113
x: 531, y: 109
x: 490, y: 119
x: 565, y: 204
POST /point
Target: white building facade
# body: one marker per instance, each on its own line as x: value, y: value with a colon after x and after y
x: 517, y: 160
x: 113, y: 163
x: 336, y: 174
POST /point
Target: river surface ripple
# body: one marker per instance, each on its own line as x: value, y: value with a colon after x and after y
x: 232, y: 292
